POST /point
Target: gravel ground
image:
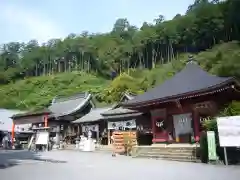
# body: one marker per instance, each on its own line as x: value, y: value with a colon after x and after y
x: 71, y: 165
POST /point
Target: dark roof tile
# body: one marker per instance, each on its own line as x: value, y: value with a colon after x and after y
x: 191, y: 79
x: 66, y: 105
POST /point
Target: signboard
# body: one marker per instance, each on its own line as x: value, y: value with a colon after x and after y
x: 122, y: 125
x: 212, y: 155
x: 229, y: 131
x: 42, y: 138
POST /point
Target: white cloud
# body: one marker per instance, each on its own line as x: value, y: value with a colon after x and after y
x: 36, y: 25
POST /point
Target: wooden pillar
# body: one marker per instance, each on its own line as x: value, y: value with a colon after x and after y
x: 196, y: 123
x: 13, y: 135
x: 46, y: 120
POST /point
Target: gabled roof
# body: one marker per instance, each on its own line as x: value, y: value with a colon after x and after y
x: 93, y: 116
x: 62, y: 106
x: 6, y: 121
x: 118, y: 111
x: 129, y: 95
x: 126, y: 96
x: 31, y: 113
x: 192, y: 79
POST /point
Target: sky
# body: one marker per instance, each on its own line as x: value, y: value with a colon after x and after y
x: 24, y: 20
x: 6, y: 121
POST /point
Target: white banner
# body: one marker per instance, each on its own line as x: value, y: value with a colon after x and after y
x: 229, y: 131
x: 86, y: 128
x: 121, y: 125
x: 182, y: 124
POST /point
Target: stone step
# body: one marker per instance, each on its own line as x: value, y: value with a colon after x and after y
x: 164, y: 147
x: 165, y: 150
x: 174, y: 156
x: 167, y: 153
x: 169, y: 158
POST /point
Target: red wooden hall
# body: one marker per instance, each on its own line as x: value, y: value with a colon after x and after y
x: 178, y: 105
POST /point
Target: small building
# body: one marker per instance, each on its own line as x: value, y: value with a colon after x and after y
x: 127, y: 119
x: 21, y: 131
x: 179, y: 104
x: 93, y: 121
x: 103, y: 121
x: 59, y: 115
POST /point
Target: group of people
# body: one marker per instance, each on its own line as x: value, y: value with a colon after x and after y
x: 6, y: 141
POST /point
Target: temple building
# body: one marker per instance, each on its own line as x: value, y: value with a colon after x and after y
x: 94, y: 122
x: 125, y: 119
x: 59, y: 115
x: 179, y: 104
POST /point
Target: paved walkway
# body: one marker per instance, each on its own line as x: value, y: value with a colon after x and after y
x: 71, y: 165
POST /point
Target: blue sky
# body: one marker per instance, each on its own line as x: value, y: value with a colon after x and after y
x: 23, y: 20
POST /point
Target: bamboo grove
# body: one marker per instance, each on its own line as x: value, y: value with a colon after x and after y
x: 205, y: 24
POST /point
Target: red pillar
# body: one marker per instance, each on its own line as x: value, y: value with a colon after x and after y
x: 196, y: 126
x: 13, y: 135
x: 153, y: 127
x: 46, y: 120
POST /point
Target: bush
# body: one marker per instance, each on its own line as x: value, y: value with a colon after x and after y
x: 203, y: 147
x: 232, y: 109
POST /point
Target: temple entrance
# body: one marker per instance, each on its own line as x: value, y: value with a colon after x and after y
x: 93, y: 128
x: 183, y: 127
x: 161, y: 132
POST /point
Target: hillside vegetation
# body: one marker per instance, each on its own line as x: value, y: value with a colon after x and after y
x: 37, y: 92
x: 139, y: 57
x: 205, y: 24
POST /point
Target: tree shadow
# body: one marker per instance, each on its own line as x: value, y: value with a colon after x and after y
x: 10, y: 158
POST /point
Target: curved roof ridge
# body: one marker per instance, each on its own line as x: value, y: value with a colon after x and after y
x: 70, y: 104
x: 72, y: 97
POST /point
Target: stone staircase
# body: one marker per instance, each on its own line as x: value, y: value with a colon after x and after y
x: 175, y: 152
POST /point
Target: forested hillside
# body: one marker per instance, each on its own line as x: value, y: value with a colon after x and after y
x: 144, y: 57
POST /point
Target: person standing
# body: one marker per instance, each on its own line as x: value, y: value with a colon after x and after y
x: 113, y: 146
x: 6, y: 141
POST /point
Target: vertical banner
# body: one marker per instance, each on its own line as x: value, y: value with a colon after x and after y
x: 212, y: 155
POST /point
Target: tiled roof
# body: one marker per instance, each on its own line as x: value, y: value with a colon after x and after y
x: 6, y: 122
x: 192, y: 79
x: 118, y: 111
x: 122, y: 116
x: 31, y: 113
x: 67, y: 105
x: 92, y: 116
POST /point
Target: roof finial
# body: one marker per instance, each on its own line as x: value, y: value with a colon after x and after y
x: 191, y: 59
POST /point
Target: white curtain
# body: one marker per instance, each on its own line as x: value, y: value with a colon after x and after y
x: 182, y: 124
x: 90, y: 127
x: 122, y: 124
